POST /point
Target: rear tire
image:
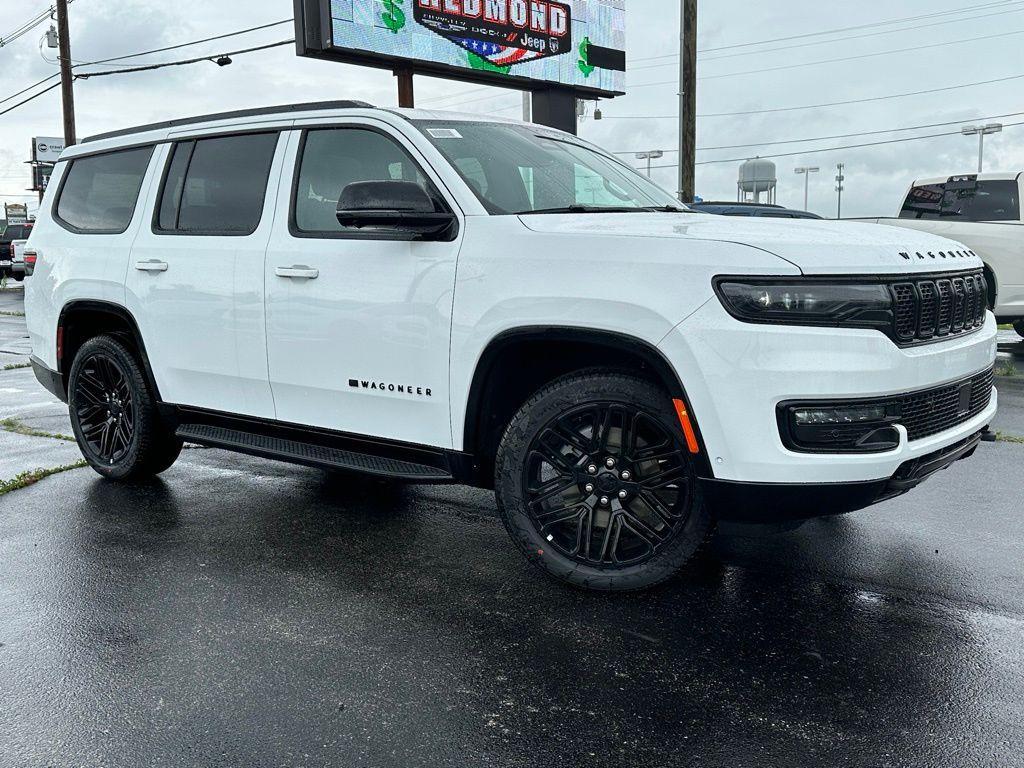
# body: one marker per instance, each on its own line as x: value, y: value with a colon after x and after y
x: 1019, y: 327
x: 596, y: 486
x: 114, y: 414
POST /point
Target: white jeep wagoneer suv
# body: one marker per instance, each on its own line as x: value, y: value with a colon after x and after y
x: 444, y: 298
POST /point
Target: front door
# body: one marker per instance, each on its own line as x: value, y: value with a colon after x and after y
x: 358, y: 325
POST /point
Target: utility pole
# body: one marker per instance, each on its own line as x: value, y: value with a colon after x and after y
x: 67, y: 89
x: 839, y: 188
x: 527, y: 107
x: 687, y: 100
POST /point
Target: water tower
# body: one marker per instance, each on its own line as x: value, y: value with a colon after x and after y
x: 757, y: 177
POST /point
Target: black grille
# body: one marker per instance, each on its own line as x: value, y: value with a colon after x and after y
x: 933, y: 411
x: 937, y: 308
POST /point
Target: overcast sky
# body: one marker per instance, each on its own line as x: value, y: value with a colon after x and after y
x: 877, y: 177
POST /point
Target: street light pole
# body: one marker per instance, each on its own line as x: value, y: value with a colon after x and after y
x: 981, y: 131
x: 66, y: 79
x: 654, y: 154
x: 806, y: 172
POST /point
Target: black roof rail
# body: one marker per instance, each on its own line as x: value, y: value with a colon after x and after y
x: 282, y: 109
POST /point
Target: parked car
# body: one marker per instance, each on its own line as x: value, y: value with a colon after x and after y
x: 752, y: 209
x: 12, y: 233
x: 444, y: 298
x: 983, y: 211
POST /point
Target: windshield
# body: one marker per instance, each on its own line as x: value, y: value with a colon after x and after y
x: 517, y: 169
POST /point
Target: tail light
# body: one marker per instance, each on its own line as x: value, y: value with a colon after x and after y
x: 30, y: 261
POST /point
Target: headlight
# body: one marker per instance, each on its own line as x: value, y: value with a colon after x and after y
x: 807, y: 302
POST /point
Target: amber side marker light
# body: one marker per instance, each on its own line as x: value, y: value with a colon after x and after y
x: 687, y: 425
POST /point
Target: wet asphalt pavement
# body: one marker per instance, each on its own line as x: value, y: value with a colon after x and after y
x: 239, y: 612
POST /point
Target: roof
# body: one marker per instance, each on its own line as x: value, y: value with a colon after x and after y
x: 282, y: 109
x: 1009, y: 176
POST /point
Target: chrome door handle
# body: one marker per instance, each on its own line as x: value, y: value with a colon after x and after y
x: 153, y: 265
x: 298, y: 272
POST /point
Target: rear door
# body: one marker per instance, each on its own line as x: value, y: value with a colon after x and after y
x: 195, y: 281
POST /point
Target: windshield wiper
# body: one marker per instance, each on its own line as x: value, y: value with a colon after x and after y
x: 585, y: 209
x: 666, y: 209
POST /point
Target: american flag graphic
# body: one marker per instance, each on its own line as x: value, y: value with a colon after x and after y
x: 499, y: 55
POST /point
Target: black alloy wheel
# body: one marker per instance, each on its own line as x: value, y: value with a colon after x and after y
x: 596, y: 485
x: 114, y: 412
x: 106, y: 407
x: 607, y: 485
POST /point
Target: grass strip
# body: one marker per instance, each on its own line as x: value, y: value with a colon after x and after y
x: 26, y: 479
x: 1002, y: 437
x: 17, y: 366
x: 12, y: 314
x: 18, y: 428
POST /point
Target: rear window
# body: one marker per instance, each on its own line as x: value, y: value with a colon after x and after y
x: 965, y: 199
x: 99, y: 193
x: 216, y: 186
x: 16, y: 232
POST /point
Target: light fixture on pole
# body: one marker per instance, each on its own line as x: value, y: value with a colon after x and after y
x: 654, y: 154
x: 806, y: 172
x: 981, y: 131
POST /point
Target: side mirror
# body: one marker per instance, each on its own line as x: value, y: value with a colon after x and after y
x: 401, y: 207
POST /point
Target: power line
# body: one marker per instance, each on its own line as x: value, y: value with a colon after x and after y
x: 820, y: 42
x: 182, y: 62
x: 30, y: 98
x: 834, y: 61
x: 858, y: 27
x: 186, y: 45
x: 839, y: 136
x: 775, y: 110
x: 835, y: 149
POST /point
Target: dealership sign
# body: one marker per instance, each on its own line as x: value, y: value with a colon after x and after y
x: 46, y: 149
x: 578, y: 44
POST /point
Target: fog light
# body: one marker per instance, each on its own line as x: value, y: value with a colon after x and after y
x: 846, y: 415
x: 840, y: 427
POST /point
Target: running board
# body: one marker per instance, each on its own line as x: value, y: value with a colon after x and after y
x: 309, y: 454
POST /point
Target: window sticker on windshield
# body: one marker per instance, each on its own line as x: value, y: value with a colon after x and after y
x: 444, y: 133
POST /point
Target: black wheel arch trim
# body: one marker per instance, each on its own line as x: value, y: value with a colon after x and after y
x: 121, y: 313
x: 648, y: 352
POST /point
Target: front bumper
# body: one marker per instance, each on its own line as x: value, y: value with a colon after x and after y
x: 736, y: 374
x: 771, y: 503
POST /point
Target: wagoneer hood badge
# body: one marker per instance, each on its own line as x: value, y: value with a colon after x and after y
x: 816, y: 247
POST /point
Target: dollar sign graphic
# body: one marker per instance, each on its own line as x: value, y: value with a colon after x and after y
x: 393, y: 16
x: 584, y: 63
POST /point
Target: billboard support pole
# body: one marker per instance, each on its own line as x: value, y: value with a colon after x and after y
x: 406, y: 93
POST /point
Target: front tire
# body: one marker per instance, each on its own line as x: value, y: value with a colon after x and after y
x: 596, y: 486
x: 114, y: 414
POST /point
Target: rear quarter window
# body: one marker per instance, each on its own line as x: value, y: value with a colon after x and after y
x: 99, y: 193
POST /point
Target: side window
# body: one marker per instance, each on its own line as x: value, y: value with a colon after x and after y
x: 99, y: 193
x: 217, y: 186
x: 333, y: 158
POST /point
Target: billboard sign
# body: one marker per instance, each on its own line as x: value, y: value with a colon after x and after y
x: 47, y: 149
x: 16, y: 213
x: 576, y: 44
x: 41, y: 177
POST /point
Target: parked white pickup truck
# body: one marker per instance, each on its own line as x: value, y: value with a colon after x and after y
x: 984, y: 213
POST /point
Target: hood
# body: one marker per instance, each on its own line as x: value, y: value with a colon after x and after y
x: 815, y: 247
